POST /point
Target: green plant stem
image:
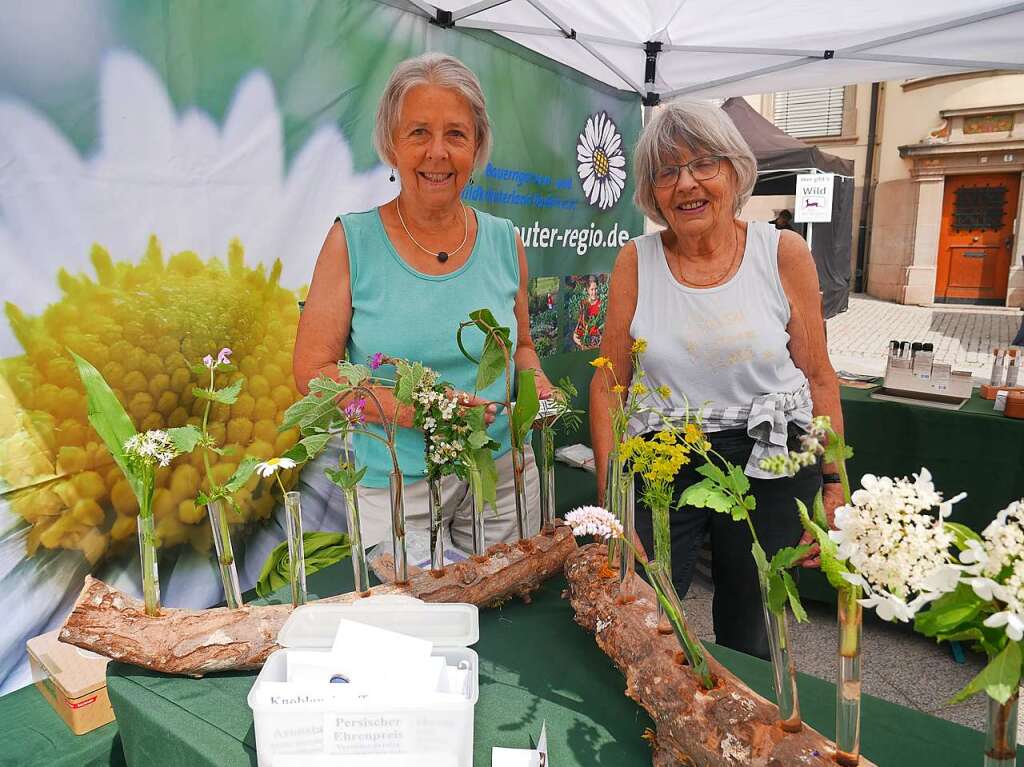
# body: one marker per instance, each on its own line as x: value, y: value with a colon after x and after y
x: 849, y: 638
x: 388, y: 426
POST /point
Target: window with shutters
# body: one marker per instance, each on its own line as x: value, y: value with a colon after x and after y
x: 810, y: 113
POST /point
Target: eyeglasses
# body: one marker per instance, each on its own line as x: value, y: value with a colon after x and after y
x: 702, y: 169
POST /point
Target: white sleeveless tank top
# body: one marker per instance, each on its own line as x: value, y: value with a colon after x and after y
x: 723, y: 346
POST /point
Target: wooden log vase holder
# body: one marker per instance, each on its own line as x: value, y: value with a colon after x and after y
x: 727, y: 726
x: 198, y: 642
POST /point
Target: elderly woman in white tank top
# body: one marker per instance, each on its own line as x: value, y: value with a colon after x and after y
x: 732, y: 316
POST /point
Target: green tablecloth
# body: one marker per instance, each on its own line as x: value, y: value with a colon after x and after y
x: 974, y: 449
x: 35, y: 735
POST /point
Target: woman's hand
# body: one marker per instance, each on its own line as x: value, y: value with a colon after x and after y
x: 832, y: 498
x: 468, y: 400
x: 545, y: 389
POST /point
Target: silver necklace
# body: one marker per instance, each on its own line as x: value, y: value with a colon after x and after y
x: 440, y: 255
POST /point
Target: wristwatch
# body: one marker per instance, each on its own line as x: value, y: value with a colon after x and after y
x: 831, y: 479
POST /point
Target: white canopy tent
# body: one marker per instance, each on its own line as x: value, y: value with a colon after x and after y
x: 666, y: 48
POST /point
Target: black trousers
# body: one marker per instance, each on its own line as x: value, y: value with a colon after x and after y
x: 736, y: 608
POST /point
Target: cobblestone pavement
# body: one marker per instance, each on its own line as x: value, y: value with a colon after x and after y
x: 963, y: 335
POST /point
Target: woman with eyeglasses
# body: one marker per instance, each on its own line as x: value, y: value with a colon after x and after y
x: 732, y: 319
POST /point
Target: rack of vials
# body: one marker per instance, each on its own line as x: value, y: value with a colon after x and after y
x: 912, y: 371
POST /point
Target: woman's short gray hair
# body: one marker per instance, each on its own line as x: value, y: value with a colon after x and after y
x: 430, y: 69
x: 699, y: 126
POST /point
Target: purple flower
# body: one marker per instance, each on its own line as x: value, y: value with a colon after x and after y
x: 223, y: 357
x: 208, y: 361
x: 354, y: 411
x: 376, y: 360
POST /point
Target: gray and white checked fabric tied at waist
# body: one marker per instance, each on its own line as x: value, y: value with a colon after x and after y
x: 766, y: 421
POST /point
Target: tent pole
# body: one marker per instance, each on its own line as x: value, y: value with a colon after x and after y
x: 867, y: 201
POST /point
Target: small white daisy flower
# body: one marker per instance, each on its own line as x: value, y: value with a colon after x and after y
x: 270, y: 467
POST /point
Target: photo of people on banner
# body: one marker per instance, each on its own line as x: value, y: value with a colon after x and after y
x: 586, y: 301
x: 544, y: 314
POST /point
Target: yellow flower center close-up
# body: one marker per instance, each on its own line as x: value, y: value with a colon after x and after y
x: 143, y: 325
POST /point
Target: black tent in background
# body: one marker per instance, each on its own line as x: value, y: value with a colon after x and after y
x: 780, y: 157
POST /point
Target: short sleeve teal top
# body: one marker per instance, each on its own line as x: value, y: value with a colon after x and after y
x: 403, y: 313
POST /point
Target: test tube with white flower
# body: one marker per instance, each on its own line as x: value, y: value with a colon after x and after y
x: 138, y: 456
x: 293, y: 520
x: 600, y: 523
x: 143, y: 454
x: 988, y: 608
x: 889, y: 552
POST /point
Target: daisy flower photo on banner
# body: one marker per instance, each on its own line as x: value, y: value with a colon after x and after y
x: 602, y: 165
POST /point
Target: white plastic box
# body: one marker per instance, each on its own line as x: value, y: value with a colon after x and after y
x: 303, y: 725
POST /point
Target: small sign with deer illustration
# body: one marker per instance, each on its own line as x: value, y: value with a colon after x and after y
x: 813, y: 197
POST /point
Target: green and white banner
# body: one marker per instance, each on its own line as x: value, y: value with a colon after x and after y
x: 168, y: 172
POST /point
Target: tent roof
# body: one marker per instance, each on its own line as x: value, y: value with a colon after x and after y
x: 776, y: 150
x: 711, y: 48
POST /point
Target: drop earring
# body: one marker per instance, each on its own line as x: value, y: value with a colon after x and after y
x: 392, y: 179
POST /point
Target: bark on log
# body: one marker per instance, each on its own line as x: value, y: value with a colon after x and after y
x: 198, y: 642
x: 724, y: 727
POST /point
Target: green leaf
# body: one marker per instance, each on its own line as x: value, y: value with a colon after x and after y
x: 794, y: 598
x: 185, y: 438
x: 345, y: 476
x: 527, y: 406
x: 831, y: 565
x: 949, y: 613
x: 961, y: 534
x: 108, y: 418
x: 493, y: 358
x: 705, y: 495
x: 999, y: 679
x: 242, y: 474
x: 320, y: 550
x: 353, y: 374
x: 713, y: 473
x: 837, y: 450
x: 819, y: 511
x: 739, y: 483
x: 787, y: 557
x: 226, y: 396
x: 478, y: 439
x: 776, y: 593
x: 408, y: 380
x: 313, y: 445
x: 484, y: 462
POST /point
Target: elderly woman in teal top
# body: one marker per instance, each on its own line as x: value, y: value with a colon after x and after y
x: 398, y: 279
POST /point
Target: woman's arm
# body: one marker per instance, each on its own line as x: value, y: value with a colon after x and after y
x: 616, y: 345
x: 525, y: 357
x: 807, y: 345
x: 325, y: 323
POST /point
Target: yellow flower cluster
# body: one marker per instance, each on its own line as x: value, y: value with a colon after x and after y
x: 657, y: 460
x: 602, y: 362
x: 694, y: 436
x: 142, y: 325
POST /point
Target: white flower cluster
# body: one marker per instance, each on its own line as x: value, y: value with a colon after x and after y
x: 997, y: 567
x: 442, y: 451
x: 593, y: 520
x: 152, y: 448
x: 899, y: 550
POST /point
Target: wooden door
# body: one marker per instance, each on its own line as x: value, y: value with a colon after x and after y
x: 976, y: 243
